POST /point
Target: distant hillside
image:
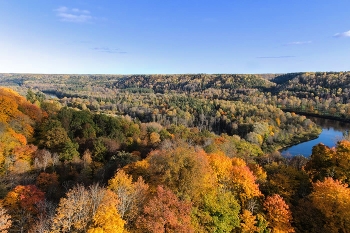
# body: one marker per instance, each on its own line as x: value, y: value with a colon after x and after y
x: 283, y: 78
x: 192, y: 83
x: 309, y: 85
x: 156, y: 83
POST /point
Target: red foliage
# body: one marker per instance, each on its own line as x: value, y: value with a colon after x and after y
x: 166, y: 213
x: 24, y: 197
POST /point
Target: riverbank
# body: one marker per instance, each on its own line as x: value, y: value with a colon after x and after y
x: 335, y: 118
x: 299, y: 140
x: 332, y: 132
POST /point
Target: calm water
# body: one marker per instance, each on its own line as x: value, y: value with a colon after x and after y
x: 332, y: 131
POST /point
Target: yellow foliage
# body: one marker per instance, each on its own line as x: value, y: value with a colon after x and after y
x: 235, y: 175
x: 2, y: 157
x: 139, y: 168
x: 332, y: 198
x: 258, y: 171
x: 238, y: 162
x: 154, y: 138
x: 278, y: 121
x: 130, y: 195
x: 107, y: 218
x: 222, y: 165
x: 248, y: 222
x: 10, y: 139
x: 121, y: 179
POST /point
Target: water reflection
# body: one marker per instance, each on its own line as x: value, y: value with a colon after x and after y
x: 332, y: 132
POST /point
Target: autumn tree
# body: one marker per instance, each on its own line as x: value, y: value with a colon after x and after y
x: 330, y: 162
x: 278, y: 214
x: 243, y: 182
x: 287, y: 181
x: 131, y: 195
x: 42, y: 159
x: 165, y: 213
x: 248, y: 222
x: 183, y: 169
x: 5, y: 220
x: 23, y: 204
x: 107, y: 219
x: 320, y: 164
x: 342, y: 161
x: 222, y: 167
x: 235, y: 175
x: 332, y: 198
x: 154, y: 138
x: 24, y: 197
x: 74, y: 211
x: 88, y: 210
x: 17, y: 118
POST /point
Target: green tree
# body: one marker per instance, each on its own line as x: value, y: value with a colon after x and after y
x: 218, y: 212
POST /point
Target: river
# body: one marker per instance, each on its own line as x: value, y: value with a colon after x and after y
x: 332, y: 131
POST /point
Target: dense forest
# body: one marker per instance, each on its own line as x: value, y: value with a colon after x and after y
x: 320, y: 93
x: 171, y: 153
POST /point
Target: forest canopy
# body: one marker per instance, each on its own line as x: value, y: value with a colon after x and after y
x: 171, y: 153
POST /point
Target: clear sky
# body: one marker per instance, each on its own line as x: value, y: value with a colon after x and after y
x: 178, y: 36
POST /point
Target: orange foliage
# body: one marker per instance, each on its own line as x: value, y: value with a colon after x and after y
x: 244, y: 184
x: 332, y: 198
x: 22, y: 154
x: 278, y: 214
x: 24, y: 197
x: 8, y: 108
x: 25, y: 152
x: 166, y: 213
x: 17, y: 117
x: 17, y: 138
x: 31, y: 110
x: 219, y: 140
x: 139, y: 168
x: 238, y: 162
x: 243, y: 181
x: 258, y: 171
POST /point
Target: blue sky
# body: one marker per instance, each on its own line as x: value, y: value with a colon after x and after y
x: 178, y: 36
